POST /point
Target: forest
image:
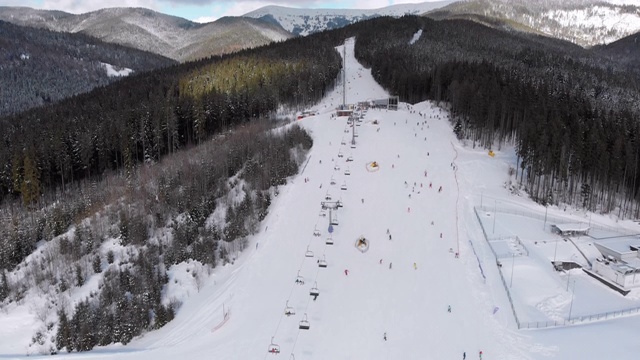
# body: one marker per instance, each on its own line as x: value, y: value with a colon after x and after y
x: 571, y: 113
x: 123, y: 182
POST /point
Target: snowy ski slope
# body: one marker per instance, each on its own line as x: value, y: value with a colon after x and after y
x: 383, y: 292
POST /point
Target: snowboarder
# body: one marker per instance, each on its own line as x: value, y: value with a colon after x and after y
x: 449, y: 308
x: 464, y: 355
x: 362, y: 200
x: 384, y: 336
x: 390, y: 265
x: 380, y: 261
x: 346, y: 272
x: 480, y: 354
x: 389, y: 236
x: 440, y: 235
x: 415, y: 267
x: 440, y: 189
x: 430, y: 184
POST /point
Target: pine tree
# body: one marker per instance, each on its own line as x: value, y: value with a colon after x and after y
x: 97, y: 264
x: 4, y: 286
x: 63, y: 335
x: 30, y: 186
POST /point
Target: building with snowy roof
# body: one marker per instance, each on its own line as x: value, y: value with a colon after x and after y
x: 621, y: 260
x: 570, y: 229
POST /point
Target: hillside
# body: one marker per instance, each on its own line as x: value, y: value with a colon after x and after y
x: 145, y: 29
x: 429, y: 284
x: 583, y: 22
x: 41, y: 67
x: 625, y: 50
x: 308, y: 21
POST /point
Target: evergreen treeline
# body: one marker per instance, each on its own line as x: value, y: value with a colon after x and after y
x: 144, y: 117
x: 572, y: 116
x: 161, y: 215
x: 40, y: 67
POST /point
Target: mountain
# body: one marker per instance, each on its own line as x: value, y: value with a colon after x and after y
x: 584, y: 22
x: 39, y: 66
x: 625, y: 50
x: 308, y: 21
x: 145, y: 29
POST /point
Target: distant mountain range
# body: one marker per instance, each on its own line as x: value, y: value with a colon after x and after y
x: 583, y: 22
x: 145, y: 29
x: 308, y: 21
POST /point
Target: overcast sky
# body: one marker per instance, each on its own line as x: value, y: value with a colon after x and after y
x: 209, y: 10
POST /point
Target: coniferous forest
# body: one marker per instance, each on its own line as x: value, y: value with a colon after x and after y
x: 571, y: 113
x: 122, y: 182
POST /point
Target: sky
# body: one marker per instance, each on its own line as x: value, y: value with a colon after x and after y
x: 202, y: 10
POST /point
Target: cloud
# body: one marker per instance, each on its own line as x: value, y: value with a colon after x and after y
x: 83, y: 6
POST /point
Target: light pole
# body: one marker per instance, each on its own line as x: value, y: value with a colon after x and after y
x: 555, y: 252
x: 495, y: 207
x: 513, y: 260
x: 545, y: 217
x: 569, y: 277
x: 572, y: 293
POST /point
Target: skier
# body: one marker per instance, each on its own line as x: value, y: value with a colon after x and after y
x: 440, y: 235
x: 387, y: 231
x: 362, y: 200
x: 449, y: 308
x: 390, y: 265
x: 415, y: 267
x: 440, y: 189
x: 384, y: 336
x: 380, y: 261
x: 480, y: 354
x: 430, y: 184
x: 389, y: 236
x: 464, y: 355
x: 346, y: 272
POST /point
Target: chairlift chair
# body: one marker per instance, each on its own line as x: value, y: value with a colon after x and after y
x: 334, y: 221
x: 323, y: 213
x: 304, y: 323
x: 322, y: 263
x: 343, y: 142
x: 273, y: 347
x: 333, y: 181
x: 336, y: 167
x: 316, y: 232
x: 314, y: 290
x: 350, y: 158
x: 299, y: 279
x: 339, y: 203
x: 327, y: 197
x: 309, y: 253
x: 288, y: 310
x: 329, y: 241
x: 340, y: 154
x: 347, y: 172
x: 353, y: 146
x: 343, y: 186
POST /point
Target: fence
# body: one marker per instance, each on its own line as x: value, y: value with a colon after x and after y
x: 551, y: 218
x: 546, y: 324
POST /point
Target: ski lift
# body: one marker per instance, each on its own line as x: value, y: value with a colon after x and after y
x: 329, y: 241
x: 273, y: 347
x: 347, y: 172
x: 343, y: 186
x: 316, y: 232
x: 322, y: 263
x: 309, y: 253
x: 314, y: 290
x: 304, y: 323
x: 288, y: 310
x: 299, y: 279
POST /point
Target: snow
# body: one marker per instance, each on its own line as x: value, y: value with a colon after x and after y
x: 236, y: 311
x: 603, y: 24
x: 113, y: 71
x: 308, y: 21
x: 415, y: 37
